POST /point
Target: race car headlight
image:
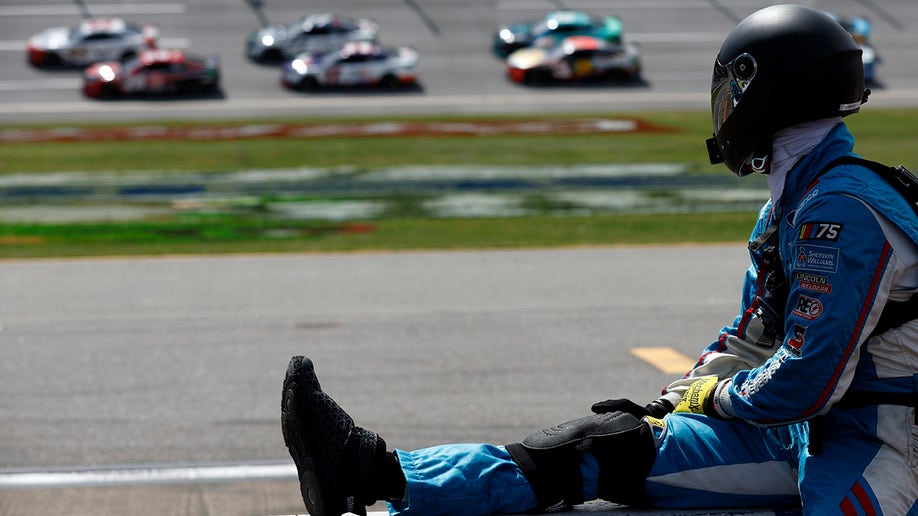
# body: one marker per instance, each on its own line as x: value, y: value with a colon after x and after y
x: 267, y: 40
x: 299, y: 66
x: 106, y: 73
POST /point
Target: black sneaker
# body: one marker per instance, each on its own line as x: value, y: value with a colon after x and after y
x: 334, y: 458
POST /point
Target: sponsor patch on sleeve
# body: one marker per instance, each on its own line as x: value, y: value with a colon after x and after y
x: 807, y: 307
x: 813, y: 282
x: 828, y: 231
x: 795, y: 342
x: 816, y: 258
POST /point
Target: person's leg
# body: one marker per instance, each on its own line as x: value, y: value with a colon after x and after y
x: 868, y: 463
x: 703, y: 462
x: 695, y: 462
x: 603, y: 456
x: 341, y: 467
x: 344, y: 468
x: 462, y: 479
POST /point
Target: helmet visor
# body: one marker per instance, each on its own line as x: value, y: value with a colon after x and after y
x: 729, y: 83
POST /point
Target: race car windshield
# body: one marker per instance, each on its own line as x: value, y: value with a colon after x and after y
x: 131, y: 63
x: 728, y: 84
x: 540, y: 29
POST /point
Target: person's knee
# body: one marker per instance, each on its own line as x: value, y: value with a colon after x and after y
x: 622, y: 444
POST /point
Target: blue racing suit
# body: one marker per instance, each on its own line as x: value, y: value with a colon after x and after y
x: 805, y: 344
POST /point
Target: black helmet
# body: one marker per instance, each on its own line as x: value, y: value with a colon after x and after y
x: 781, y: 66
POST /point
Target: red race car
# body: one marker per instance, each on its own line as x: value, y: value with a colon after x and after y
x: 161, y: 71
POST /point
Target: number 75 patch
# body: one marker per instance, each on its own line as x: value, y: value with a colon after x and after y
x: 828, y: 231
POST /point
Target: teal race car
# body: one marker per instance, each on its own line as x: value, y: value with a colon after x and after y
x: 554, y: 27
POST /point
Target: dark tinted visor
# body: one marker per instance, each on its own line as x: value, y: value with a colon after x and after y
x: 728, y: 84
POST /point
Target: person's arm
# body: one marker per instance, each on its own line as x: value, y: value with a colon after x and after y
x: 841, y: 276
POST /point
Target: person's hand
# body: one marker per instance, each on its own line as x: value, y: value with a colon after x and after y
x: 699, y: 398
x: 656, y: 408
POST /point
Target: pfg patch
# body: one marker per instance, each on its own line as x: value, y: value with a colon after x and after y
x: 807, y: 307
x: 816, y: 258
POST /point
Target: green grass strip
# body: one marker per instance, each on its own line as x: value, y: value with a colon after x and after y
x: 886, y: 135
x: 246, y: 235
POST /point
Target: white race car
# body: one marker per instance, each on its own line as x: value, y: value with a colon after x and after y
x: 92, y: 41
x: 312, y: 33
x: 357, y: 63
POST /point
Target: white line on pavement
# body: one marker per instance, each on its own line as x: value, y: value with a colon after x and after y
x: 514, y: 5
x: 146, y: 474
x: 96, y: 9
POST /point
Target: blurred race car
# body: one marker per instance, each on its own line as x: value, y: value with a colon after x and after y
x: 555, y: 26
x: 313, y: 33
x: 860, y: 30
x: 356, y: 63
x: 161, y: 71
x: 93, y: 40
x: 576, y: 58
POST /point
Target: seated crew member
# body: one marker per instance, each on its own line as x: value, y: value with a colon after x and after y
x: 806, y: 399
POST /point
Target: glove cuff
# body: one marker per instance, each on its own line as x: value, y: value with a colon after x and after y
x: 660, y: 407
x: 699, y: 398
x: 721, y: 404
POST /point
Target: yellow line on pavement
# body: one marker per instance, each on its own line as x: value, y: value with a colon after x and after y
x: 665, y: 359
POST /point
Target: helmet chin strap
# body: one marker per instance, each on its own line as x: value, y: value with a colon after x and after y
x: 760, y: 164
x: 759, y: 160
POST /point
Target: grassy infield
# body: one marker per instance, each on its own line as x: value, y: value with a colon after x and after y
x: 885, y: 135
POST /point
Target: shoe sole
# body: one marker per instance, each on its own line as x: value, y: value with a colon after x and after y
x: 310, y: 486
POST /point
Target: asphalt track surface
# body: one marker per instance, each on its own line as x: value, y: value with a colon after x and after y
x: 171, y: 366
x: 458, y: 74
x: 174, y: 364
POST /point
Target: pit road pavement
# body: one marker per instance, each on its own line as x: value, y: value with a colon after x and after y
x: 178, y: 361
